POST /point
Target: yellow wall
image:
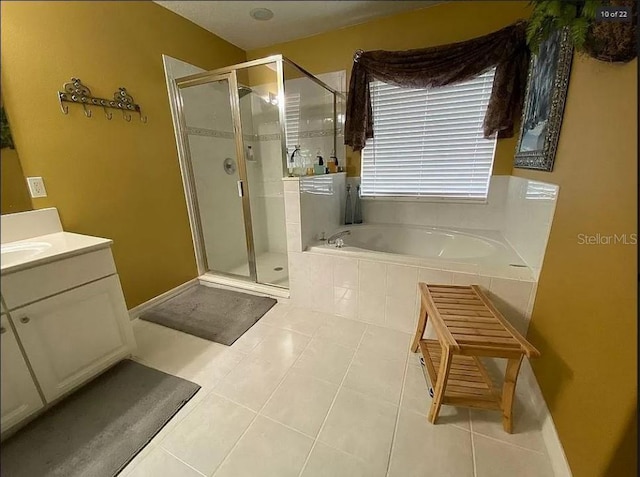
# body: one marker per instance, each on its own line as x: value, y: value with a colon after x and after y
x: 585, y: 317
x: 436, y: 25
x: 107, y: 178
x: 15, y: 195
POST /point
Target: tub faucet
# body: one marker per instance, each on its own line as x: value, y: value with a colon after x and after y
x: 333, y: 239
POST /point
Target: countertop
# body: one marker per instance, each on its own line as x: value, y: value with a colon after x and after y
x: 61, y: 245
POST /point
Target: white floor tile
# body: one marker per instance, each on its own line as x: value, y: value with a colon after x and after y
x: 416, y: 398
x: 151, y: 339
x: 209, y: 368
x: 496, y: 459
x: 296, y: 319
x: 278, y: 311
x: 527, y: 432
x: 326, y: 360
x: 252, y: 382
x: 301, y: 402
x: 268, y: 449
x: 208, y: 433
x: 421, y: 448
x: 126, y: 472
x: 252, y: 337
x: 180, y: 415
x: 386, y: 343
x: 294, y: 362
x: 376, y: 376
x: 361, y: 426
x: 280, y: 347
x: 342, y: 331
x: 160, y: 463
x: 326, y: 461
x: 400, y: 314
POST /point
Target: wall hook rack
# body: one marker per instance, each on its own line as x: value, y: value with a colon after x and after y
x: 76, y: 92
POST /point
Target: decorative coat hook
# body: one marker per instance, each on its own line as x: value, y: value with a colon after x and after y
x: 76, y: 92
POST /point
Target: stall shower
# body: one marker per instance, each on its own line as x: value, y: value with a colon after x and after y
x: 235, y: 129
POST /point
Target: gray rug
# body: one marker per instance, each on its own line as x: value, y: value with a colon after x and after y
x: 214, y: 314
x: 98, y: 429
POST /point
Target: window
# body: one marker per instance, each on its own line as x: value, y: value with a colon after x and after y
x: 292, y: 118
x: 429, y: 142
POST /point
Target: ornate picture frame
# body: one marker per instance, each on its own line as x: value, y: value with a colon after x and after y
x: 547, y: 85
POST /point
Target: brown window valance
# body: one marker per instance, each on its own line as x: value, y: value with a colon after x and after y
x: 505, y: 49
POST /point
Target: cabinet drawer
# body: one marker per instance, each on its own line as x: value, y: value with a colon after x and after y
x: 33, y: 284
x: 71, y: 337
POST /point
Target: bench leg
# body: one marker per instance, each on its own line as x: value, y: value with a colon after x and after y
x: 422, y: 324
x: 441, y: 384
x: 508, y: 390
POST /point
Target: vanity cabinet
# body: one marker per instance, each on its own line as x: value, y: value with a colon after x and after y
x: 64, y: 318
x: 19, y: 395
x: 72, y: 336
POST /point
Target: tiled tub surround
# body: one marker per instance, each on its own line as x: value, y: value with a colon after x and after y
x: 385, y: 293
x: 529, y: 210
x: 520, y: 209
x: 380, y: 288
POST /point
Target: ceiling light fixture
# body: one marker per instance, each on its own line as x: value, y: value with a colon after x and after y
x: 262, y: 14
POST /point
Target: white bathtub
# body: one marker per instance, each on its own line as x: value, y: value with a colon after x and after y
x: 446, y: 249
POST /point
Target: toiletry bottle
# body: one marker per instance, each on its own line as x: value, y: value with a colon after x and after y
x: 290, y: 164
x: 250, y: 157
x: 318, y: 168
x: 357, y: 208
x: 333, y: 163
x: 348, y: 212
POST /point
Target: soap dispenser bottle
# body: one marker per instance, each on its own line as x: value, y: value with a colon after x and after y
x: 357, y: 208
x: 318, y: 168
x: 348, y: 211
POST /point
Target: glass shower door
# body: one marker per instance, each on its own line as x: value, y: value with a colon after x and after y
x: 218, y: 177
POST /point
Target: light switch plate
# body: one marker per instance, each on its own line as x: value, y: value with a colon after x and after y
x: 36, y: 187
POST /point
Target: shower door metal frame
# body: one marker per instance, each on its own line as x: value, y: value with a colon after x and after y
x: 185, y: 155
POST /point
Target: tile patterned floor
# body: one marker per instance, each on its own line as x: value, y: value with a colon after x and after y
x: 308, y: 394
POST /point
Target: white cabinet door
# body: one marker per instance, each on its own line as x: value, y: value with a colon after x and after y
x: 19, y: 396
x: 73, y: 336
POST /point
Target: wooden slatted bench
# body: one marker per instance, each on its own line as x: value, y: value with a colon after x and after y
x: 468, y: 326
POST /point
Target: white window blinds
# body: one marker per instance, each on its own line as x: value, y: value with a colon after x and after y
x: 292, y: 117
x: 429, y: 142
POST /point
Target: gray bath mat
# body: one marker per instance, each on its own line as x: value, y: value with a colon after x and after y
x: 211, y: 313
x: 98, y: 429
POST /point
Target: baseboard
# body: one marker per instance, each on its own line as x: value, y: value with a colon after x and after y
x: 136, y: 311
x: 531, y: 392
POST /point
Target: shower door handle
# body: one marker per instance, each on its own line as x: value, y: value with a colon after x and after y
x: 240, y: 189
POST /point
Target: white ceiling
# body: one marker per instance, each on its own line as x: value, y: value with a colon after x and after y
x: 292, y: 20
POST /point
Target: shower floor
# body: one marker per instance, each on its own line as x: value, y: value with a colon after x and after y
x: 267, y: 263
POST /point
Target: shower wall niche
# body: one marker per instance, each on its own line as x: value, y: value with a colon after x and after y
x: 235, y: 130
